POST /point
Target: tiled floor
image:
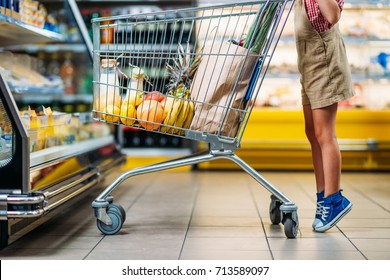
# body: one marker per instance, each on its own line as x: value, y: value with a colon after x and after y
x: 216, y: 215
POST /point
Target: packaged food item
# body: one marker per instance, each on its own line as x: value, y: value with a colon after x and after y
x: 107, y: 30
x: 134, y: 96
x: 68, y: 74
x: 47, y: 128
x: 36, y: 134
x: 135, y: 90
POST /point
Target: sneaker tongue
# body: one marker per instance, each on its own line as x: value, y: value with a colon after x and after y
x: 320, y: 195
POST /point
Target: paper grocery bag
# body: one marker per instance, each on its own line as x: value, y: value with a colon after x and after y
x: 219, y: 88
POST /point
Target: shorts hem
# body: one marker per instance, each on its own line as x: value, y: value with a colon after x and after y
x: 328, y: 102
x: 325, y: 103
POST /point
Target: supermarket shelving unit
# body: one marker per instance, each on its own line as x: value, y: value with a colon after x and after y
x: 35, y: 186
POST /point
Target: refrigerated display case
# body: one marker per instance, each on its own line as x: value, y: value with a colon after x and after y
x: 48, y: 162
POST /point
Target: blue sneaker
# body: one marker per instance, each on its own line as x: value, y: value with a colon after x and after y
x: 335, y: 207
x: 320, y: 202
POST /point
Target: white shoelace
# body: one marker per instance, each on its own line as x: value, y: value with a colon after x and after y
x: 319, y: 207
x: 325, y: 212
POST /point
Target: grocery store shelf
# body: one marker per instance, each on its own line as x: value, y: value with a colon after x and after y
x: 379, y: 43
x: 59, y: 153
x: 36, y: 90
x: 140, y: 48
x: 48, y: 98
x: 51, y: 48
x: 367, y: 4
x: 16, y: 32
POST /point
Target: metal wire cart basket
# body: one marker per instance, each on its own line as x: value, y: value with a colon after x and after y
x: 192, y: 73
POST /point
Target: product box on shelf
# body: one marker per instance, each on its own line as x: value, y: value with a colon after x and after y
x: 15, y: 10
x: 2, y: 8
x: 6, y: 7
x: 47, y: 130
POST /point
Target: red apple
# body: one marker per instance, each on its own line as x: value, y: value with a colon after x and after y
x: 154, y: 95
x: 162, y: 98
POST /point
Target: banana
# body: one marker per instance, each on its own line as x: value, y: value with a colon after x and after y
x: 190, y: 115
x: 172, y: 112
x: 179, y: 111
x: 181, y: 117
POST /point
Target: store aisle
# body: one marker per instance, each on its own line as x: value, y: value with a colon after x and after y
x: 216, y: 215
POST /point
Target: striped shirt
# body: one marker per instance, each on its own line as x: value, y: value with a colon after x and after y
x: 318, y: 21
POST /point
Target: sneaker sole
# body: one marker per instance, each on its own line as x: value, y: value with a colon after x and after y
x: 335, y: 220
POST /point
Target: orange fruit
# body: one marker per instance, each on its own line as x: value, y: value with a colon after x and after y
x: 150, y: 114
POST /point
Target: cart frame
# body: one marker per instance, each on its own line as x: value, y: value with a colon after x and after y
x: 111, y: 216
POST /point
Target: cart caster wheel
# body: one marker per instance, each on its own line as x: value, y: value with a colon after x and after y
x: 290, y: 227
x: 274, y: 211
x: 117, y: 207
x: 110, y: 199
x: 117, y: 223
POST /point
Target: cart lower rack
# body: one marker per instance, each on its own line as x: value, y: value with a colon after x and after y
x: 192, y: 73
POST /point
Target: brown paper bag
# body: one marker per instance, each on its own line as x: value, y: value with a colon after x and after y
x: 219, y: 88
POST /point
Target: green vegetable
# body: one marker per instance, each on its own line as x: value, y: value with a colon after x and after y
x: 260, y: 27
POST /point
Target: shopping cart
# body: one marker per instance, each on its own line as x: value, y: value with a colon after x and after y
x: 192, y: 73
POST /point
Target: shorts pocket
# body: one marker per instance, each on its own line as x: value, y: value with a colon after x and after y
x: 315, y: 47
x: 314, y: 65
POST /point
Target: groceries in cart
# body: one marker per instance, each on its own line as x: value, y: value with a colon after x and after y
x: 168, y: 112
x: 205, y: 87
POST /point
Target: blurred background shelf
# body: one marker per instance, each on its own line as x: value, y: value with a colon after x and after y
x: 49, y: 48
x: 274, y: 140
x: 51, y: 98
x: 15, y: 32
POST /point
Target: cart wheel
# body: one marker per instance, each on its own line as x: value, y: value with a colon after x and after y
x: 290, y: 227
x: 274, y: 211
x: 116, y: 219
x: 117, y: 207
x: 110, y: 199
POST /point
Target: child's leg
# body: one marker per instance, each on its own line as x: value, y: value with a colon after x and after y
x: 317, y: 162
x: 315, y: 148
x: 324, y: 120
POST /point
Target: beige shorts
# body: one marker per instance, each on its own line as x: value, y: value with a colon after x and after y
x: 324, y: 68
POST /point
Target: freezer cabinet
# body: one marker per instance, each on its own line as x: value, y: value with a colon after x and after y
x: 47, y: 163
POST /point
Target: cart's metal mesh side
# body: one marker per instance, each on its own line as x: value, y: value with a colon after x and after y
x: 192, y: 58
